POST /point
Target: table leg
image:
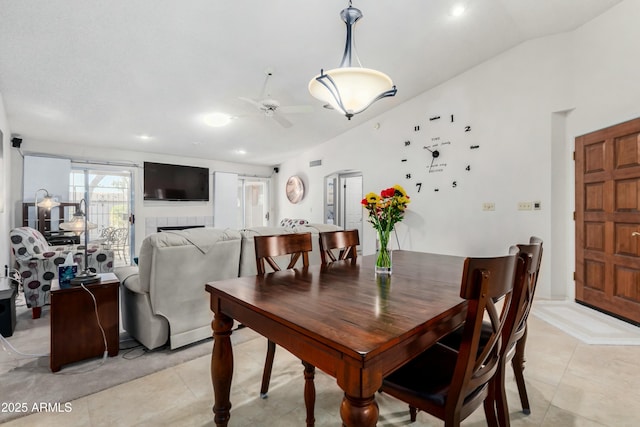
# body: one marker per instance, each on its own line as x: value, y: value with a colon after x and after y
x: 359, y: 411
x: 309, y: 392
x: 221, y: 368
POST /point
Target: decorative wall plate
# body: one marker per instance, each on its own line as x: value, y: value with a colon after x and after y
x: 295, y: 189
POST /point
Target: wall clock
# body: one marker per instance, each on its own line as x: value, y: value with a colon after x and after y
x: 295, y: 189
x: 437, y: 158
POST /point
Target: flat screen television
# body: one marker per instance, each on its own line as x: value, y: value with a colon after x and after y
x: 175, y: 182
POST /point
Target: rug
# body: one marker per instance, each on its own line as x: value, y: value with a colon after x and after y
x: 28, y: 380
x: 588, y: 325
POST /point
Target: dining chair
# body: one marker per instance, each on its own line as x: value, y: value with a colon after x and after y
x: 298, y: 246
x: 534, y: 248
x: 345, y: 240
x: 450, y: 384
x: 515, y: 331
x: 267, y: 247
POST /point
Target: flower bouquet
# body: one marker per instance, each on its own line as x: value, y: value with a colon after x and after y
x: 385, y: 210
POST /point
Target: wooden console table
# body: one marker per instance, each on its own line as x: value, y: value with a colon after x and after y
x: 75, y: 334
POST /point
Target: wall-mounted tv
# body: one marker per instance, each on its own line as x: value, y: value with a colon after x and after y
x: 175, y: 182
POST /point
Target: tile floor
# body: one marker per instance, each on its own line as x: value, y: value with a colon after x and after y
x: 569, y: 384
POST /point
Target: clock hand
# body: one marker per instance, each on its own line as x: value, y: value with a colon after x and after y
x: 434, y: 153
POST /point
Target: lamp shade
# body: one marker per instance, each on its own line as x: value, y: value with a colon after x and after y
x: 47, y: 202
x: 77, y: 224
x: 357, y: 87
x: 351, y: 90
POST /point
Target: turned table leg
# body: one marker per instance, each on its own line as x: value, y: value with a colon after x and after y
x: 221, y: 368
x: 309, y: 392
x: 359, y: 411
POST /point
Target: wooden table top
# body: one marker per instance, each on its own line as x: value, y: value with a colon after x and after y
x: 347, y: 307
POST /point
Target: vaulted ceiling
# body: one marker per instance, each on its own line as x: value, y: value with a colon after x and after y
x: 109, y: 73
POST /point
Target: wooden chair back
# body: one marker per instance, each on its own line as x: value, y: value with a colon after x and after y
x: 485, y: 281
x: 345, y: 240
x: 267, y: 247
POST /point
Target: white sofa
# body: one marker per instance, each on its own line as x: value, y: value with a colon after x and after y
x: 163, y: 299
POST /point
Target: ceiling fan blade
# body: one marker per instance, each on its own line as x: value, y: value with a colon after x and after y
x: 281, y: 120
x: 252, y: 102
x: 296, y: 109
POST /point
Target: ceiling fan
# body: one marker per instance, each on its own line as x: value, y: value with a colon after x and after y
x: 271, y: 107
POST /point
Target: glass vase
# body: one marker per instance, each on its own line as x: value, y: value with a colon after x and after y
x: 384, y: 260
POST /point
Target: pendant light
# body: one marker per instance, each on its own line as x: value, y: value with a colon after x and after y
x: 348, y: 89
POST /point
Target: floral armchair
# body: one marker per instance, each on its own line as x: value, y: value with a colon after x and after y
x: 38, y: 263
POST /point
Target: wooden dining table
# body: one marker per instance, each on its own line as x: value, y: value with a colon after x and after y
x: 341, y: 318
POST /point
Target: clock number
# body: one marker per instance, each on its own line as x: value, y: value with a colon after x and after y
x: 434, y: 118
x: 407, y: 143
x: 416, y: 128
x: 403, y: 160
x: 452, y: 118
x: 408, y: 176
x: 467, y: 128
x: 436, y: 189
x: 454, y: 184
x: 474, y: 147
x: 419, y: 185
x: 468, y: 168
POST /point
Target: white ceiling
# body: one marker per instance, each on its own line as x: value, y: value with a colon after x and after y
x: 102, y: 73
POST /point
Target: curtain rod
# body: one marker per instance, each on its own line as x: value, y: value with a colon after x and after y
x: 87, y: 162
x: 106, y: 163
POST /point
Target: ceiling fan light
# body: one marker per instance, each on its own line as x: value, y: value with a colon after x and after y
x: 354, y: 87
x: 217, y: 120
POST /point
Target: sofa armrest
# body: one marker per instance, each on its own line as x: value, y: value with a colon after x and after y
x: 129, y: 277
x: 53, y: 257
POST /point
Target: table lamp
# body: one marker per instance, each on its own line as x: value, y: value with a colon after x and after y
x: 79, y: 224
x: 46, y: 203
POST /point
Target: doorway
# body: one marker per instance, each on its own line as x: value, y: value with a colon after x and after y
x: 109, y: 200
x: 253, y: 200
x: 608, y: 220
x: 343, y: 194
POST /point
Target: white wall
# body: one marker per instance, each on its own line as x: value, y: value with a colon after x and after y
x: 143, y: 209
x: 516, y: 104
x: 5, y: 199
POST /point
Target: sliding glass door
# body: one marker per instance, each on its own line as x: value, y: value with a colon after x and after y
x: 109, y: 200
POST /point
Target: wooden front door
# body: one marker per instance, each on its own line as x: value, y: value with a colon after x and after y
x: 607, y: 220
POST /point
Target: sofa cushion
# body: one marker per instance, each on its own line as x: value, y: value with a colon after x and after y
x: 202, y: 239
x: 316, y: 228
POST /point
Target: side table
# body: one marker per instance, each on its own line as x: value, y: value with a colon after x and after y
x: 7, y: 311
x: 75, y: 334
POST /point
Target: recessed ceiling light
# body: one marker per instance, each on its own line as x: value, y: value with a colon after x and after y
x: 241, y: 151
x: 458, y: 10
x: 217, y: 119
x: 145, y: 137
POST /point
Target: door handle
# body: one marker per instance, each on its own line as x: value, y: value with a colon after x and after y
x: 635, y: 234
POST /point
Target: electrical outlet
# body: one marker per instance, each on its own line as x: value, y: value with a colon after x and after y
x: 488, y: 206
x: 525, y: 206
